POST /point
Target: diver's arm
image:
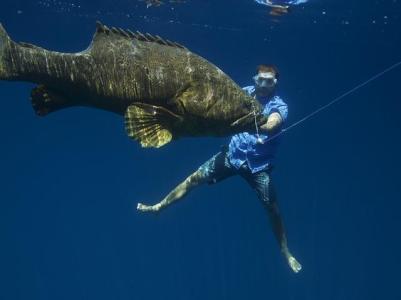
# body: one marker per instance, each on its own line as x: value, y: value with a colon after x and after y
x: 272, y: 5
x: 269, y: 3
x: 273, y: 123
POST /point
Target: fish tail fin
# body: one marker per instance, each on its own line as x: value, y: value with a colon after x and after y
x: 4, y: 44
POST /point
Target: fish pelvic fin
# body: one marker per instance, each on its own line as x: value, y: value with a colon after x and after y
x: 150, y: 125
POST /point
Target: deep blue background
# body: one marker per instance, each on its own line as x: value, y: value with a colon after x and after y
x: 69, y: 182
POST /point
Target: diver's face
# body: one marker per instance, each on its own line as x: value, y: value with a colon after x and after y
x: 265, y: 83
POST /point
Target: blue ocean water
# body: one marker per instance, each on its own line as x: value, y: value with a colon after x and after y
x: 70, y: 181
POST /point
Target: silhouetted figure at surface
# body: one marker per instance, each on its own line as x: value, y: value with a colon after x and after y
x: 280, y: 7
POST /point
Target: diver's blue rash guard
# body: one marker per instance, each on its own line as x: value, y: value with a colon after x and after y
x: 245, y: 147
x: 282, y: 2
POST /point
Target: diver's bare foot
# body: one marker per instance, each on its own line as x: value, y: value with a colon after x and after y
x: 144, y: 207
x: 294, y: 264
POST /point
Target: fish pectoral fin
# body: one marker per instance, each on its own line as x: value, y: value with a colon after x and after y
x: 149, y: 124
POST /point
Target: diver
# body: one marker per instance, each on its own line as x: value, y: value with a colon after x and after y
x: 280, y: 7
x: 249, y: 156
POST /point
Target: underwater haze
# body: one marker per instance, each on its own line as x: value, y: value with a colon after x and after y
x: 70, y: 181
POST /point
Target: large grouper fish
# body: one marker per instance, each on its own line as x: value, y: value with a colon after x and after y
x: 163, y: 90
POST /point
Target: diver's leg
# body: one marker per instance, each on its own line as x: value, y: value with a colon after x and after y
x: 177, y: 193
x: 215, y: 169
x: 261, y: 182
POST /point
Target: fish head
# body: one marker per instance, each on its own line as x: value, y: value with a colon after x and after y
x: 250, y: 117
x: 218, y: 110
x: 235, y: 112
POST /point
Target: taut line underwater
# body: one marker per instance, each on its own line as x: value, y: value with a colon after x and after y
x: 335, y: 100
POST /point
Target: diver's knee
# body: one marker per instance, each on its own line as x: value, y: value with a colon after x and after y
x: 267, y: 202
x: 266, y: 198
x: 195, y: 178
x: 271, y: 205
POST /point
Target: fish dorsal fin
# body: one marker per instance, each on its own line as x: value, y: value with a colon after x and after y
x: 28, y: 45
x: 150, y: 125
x: 114, y: 31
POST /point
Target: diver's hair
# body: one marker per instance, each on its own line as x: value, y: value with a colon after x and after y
x: 268, y: 68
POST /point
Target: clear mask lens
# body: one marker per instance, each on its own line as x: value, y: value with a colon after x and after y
x: 265, y: 80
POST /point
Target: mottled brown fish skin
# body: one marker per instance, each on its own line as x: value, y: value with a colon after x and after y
x: 121, y: 67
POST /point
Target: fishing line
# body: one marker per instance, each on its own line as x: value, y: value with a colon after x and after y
x: 256, y: 123
x: 335, y: 100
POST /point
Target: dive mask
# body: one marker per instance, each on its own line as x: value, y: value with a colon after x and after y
x: 265, y: 80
